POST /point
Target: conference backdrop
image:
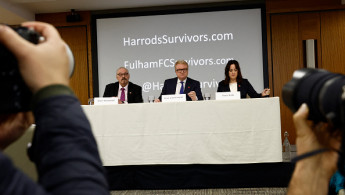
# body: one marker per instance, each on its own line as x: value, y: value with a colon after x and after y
x: 148, y: 46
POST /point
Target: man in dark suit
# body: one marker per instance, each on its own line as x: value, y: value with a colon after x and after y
x: 182, y: 84
x: 126, y: 91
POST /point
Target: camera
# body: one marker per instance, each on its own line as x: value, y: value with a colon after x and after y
x: 322, y: 91
x: 15, y: 95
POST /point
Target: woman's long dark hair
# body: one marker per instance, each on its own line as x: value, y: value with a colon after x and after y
x: 227, y: 69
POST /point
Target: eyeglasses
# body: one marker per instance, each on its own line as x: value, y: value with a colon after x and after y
x: 182, y: 70
x: 121, y: 75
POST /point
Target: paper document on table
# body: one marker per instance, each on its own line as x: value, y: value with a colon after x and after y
x: 106, y: 101
x: 174, y: 98
x: 228, y: 95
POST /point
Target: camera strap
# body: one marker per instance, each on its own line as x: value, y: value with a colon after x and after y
x: 341, y: 159
x: 309, y: 154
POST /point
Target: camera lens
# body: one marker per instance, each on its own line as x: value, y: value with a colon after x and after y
x: 320, y: 90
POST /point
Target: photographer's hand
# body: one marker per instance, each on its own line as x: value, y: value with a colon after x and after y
x: 40, y: 65
x: 312, y: 174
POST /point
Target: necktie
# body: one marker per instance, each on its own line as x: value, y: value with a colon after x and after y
x: 122, y: 98
x: 181, y: 90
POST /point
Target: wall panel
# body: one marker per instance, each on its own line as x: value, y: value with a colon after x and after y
x: 333, y: 41
x: 285, y: 59
x: 283, y: 6
x: 76, y: 37
x: 309, y: 28
x: 287, y: 33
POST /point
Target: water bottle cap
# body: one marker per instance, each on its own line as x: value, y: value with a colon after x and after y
x: 286, y: 134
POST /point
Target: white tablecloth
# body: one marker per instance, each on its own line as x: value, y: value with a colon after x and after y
x: 203, y: 132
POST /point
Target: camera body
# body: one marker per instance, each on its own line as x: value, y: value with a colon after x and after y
x: 15, y: 95
x: 322, y: 91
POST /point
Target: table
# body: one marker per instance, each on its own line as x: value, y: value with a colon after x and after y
x: 179, y: 133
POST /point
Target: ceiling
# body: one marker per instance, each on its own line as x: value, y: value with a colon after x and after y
x: 17, y: 11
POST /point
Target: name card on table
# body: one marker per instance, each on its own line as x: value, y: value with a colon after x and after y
x: 228, y: 95
x: 106, y: 101
x: 174, y: 98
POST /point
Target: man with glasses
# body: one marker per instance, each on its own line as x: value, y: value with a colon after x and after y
x: 182, y: 84
x: 127, y: 92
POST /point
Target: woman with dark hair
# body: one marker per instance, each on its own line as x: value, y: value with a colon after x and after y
x: 235, y: 82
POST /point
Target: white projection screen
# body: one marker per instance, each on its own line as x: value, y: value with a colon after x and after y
x: 149, y: 45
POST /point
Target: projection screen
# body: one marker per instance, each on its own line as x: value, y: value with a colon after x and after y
x: 148, y: 47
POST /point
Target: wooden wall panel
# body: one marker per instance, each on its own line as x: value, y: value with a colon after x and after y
x: 309, y: 25
x: 283, y: 6
x: 285, y: 60
x: 333, y: 41
x: 76, y: 37
x: 80, y: 44
x: 309, y: 28
x: 287, y: 32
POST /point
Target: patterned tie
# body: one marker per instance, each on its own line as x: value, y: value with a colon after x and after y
x: 181, y: 90
x: 122, y: 98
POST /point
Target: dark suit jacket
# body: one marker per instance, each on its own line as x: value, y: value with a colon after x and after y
x: 169, y: 88
x: 243, y: 87
x: 134, y: 93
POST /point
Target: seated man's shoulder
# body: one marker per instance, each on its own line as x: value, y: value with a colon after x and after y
x: 193, y: 80
x: 134, y: 85
x: 170, y: 81
x: 111, y: 84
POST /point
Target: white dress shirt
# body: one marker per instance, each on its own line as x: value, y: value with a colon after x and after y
x: 178, y: 86
x: 233, y: 87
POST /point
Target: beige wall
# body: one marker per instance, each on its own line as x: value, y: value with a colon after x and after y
x: 18, y: 154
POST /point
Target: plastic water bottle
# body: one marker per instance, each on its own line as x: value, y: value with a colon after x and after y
x: 286, y: 148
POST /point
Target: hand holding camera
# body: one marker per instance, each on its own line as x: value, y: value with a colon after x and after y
x: 34, y: 61
x: 323, y: 94
x: 29, y: 60
x: 26, y: 67
x: 317, y: 95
